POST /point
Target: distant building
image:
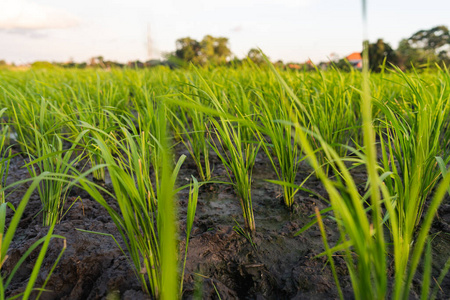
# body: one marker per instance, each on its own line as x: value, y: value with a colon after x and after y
x: 306, y: 66
x: 355, y: 60
x: 294, y: 66
x: 309, y: 63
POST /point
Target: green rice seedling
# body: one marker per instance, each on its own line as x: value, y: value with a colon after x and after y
x: 5, y: 158
x: 51, y: 157
x: 135, y: 153
x: 192, y: 128
x: 146, y: 223
x: 4, y: 169
x: 192, y: 208
x: 237, y: 152
x: 42, y: 141
x: 166, y: 217
x: 236, y: 147
x: 6, y: 236
x: 146, y: 124
x: 245, y: 234
x: 284, y: 154
x: 136, y: 221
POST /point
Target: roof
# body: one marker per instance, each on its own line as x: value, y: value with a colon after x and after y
x: 354, y: 56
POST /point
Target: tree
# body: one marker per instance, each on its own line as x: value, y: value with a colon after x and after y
x: 433, y: 39
x: 211, y: 50
x: 207, y: 49
x: 378, y: 52
x: 425, y: 47
x: 255, y: 56
x: 188, y: 50
x: 221, y: 50
x: 408, y: 55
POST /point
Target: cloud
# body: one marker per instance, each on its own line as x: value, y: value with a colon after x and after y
x: 27, y: 15
x: 34, y: 34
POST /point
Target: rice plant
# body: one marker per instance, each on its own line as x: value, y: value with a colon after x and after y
x: 191, y: 210
x: 411, y: 140
x: 7, y: 233
x: 52, y: 158
x: 192, y: 128
x: 5, y: 157
x: 146, y: 219
x: 238, y: 153
x: 363, y: 241
x: 284, y: 154
x: 48, y: 155
x: 236, y: 144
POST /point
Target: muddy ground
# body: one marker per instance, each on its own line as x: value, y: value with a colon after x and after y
x: 220, y: 261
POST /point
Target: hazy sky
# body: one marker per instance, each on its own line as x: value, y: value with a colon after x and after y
x: 291, y: 30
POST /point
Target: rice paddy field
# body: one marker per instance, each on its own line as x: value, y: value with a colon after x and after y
x: 225, y: 183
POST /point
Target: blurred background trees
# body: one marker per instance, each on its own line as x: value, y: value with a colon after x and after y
x: 378, y: 53
x: 255, y: 56
x: 210, y: 50
x: 426, y: 48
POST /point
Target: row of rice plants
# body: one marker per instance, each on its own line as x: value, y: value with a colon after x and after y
x: 5, y: 155
x: 397, y: 194
x: 234, y: 113
x: 7, y: 232
x: 147, y: 225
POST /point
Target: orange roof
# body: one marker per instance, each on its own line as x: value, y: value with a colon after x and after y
x: 354, y: 56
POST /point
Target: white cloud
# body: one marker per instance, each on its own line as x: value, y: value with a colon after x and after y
x: 26, y: 15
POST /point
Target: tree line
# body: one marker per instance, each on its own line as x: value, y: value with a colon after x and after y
x: 425, y: 48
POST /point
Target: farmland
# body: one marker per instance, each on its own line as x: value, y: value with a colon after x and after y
x: 225, y: 183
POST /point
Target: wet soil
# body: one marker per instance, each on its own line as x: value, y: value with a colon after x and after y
x: 221, y: 264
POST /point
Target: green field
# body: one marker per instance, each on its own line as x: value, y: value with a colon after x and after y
x: 147, y: 145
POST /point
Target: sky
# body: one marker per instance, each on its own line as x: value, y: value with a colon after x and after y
x: 290, y: 30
